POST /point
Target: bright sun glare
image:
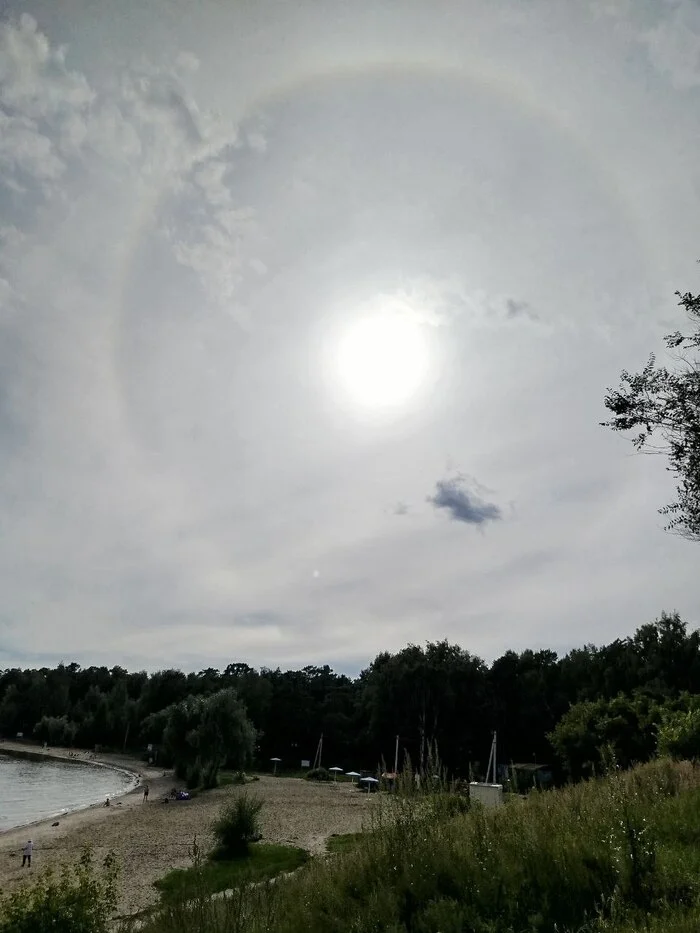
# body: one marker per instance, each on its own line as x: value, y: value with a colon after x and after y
x: 382, y: 360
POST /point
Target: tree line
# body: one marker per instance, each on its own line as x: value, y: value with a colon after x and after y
x: 568, y: 712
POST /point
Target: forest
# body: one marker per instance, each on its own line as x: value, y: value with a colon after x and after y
x: 630, y: 698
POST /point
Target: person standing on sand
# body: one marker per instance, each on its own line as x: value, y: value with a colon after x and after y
x: 27, y: 854
x: 145, y: 793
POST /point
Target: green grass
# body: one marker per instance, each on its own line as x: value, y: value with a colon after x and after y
x: 342, y: 842
x: 264, y: 861
x: 613, y: 855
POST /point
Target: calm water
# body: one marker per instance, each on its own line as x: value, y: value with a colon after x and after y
x: 33, y: 790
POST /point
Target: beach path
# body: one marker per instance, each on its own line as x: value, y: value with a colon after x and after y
x: 151, y: 838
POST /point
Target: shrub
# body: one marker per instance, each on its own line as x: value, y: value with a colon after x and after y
x: 679, y: 734
x: 237, y: 826
x: 318, y: 774
x: 78, y: 901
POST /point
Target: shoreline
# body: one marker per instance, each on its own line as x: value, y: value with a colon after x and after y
x: 149, y: 839
x: 127, y: 767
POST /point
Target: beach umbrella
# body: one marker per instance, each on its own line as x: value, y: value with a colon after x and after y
x: 353, y: 774
x: 274, y: 767
x: 335, y: 772
x: 370, y: 781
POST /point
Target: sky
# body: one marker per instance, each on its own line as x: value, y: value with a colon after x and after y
x: 307, y: 315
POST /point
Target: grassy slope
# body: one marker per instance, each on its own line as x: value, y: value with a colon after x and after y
x: 342, y: 843
x: 609, y: 856
x: 264, y: 861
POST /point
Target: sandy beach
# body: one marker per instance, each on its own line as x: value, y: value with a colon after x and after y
x: 151, y: 838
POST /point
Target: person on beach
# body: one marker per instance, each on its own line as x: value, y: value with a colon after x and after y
x: 27, y: 854
x: 145, y: 793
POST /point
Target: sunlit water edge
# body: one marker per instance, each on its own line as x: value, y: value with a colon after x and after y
x: 33, y: 790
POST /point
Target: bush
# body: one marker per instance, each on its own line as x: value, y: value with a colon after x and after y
x: 78, y: 901
x: 318, y: 774
x: 679, y: 734
x: 237, y: 826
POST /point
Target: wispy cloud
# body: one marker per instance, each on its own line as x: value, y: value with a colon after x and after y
x: 463, y: 504
x: 515, y: 308
x: 145, y: 130
x: 669, y: 31
x: 674, y: 44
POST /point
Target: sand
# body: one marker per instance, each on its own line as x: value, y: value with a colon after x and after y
x: 151, y: 838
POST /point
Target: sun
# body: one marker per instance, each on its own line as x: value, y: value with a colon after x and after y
x: 382, y: 360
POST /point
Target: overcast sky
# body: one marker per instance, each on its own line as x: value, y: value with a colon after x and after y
x: 307, y: 314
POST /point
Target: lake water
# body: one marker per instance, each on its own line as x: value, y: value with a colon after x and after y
x: 36, y: 789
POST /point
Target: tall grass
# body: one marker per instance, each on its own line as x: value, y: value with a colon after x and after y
x: 612, y: 855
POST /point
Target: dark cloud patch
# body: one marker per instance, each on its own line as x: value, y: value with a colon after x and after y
x: 462, y: 503
x: 401, y: 508
x: 519, y: 309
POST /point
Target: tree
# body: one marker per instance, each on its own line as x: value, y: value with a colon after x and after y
x: 207, y: 733
x: 436, y: 694
x: 56, y: 730
x: 667, y: 404
x: 588, y: 729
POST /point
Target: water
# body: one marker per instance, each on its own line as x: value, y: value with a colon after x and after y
x: 33, y: 789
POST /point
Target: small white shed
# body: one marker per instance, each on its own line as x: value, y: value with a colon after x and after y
x: 490, y: 795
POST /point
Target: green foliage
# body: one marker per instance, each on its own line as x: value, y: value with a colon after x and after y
x: 202, y: 734
x: 667, y: 404
x: 437, y: 693
x: 317, y: 774
x: 342, y: 842
x: 80, y: 900
x: 597, y: 857
x: 622, y: 726
x: 679, y: 733
x: 238, y: 825
x: 56, y: 730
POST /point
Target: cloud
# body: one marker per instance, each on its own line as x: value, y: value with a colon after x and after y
x: 463, y: 504
x: 61, y: 139
x: 515, y: 308
x: 674, y: 45
x: 438, y: 302
x: 39, y: 99
x: 669, y: 31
